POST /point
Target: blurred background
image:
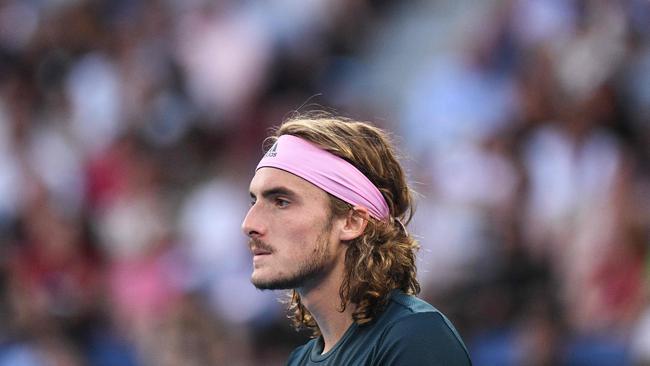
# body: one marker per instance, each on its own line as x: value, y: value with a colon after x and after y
x: 129, y: 131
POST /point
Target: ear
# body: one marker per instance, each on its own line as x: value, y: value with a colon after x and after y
x: 355, y: 223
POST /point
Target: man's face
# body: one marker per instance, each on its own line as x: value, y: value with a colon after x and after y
x: 290, y: 230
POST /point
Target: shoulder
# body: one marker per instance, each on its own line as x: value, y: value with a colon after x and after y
x: 411, y: 304
x: 402, y: 307
x: 419, y: 334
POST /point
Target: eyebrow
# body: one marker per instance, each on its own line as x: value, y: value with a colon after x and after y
x: 276, y: 191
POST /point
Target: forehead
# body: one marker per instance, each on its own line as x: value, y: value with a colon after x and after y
x: 268, y: 178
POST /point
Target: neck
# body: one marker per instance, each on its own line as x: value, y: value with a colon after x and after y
x: 324, y: 303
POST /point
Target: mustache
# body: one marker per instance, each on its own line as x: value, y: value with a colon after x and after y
x: 257, y: 243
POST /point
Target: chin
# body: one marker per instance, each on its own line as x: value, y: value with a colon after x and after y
x: 268, y: 285
x: 275, y: 283
x: 291, y: 280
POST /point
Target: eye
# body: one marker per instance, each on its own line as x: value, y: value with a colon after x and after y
x: 282, y: 203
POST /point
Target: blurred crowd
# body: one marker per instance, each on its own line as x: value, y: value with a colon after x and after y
x: 129, y: 131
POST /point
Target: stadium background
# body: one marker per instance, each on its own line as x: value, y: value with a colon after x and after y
x: 129, y: 131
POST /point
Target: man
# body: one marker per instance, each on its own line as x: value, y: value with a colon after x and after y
x: 329, y: 201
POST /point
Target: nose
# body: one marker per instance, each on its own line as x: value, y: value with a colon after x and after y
x: 252, y: 226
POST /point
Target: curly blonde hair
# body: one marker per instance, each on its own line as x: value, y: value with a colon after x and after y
x: 383, y: 258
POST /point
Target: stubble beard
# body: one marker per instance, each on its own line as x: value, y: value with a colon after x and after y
x: 309, y: 271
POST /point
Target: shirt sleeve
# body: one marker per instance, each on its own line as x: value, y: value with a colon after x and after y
x: 421, y: 339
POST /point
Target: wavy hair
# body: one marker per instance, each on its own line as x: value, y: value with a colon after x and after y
x: 383, y: 257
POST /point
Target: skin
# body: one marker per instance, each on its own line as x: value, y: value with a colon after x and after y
x: 297, y: 243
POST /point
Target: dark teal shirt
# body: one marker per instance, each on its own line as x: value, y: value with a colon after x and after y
x: 409, y: 332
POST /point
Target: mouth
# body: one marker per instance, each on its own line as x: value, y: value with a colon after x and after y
x: 260, y: 252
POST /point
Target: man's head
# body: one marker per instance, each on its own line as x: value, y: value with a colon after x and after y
x: 299, y: 232
x: 293, y: 234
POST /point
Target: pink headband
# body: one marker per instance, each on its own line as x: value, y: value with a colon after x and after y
x: 326, y: 171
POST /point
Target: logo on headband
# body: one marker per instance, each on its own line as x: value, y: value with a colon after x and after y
x: 272, y: 151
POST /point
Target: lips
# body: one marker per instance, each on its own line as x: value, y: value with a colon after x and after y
x: 260, y: 251
x: 259, y: 247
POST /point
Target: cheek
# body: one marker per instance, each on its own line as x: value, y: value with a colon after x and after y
x: 299, y: 239
x: 294, y: 227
